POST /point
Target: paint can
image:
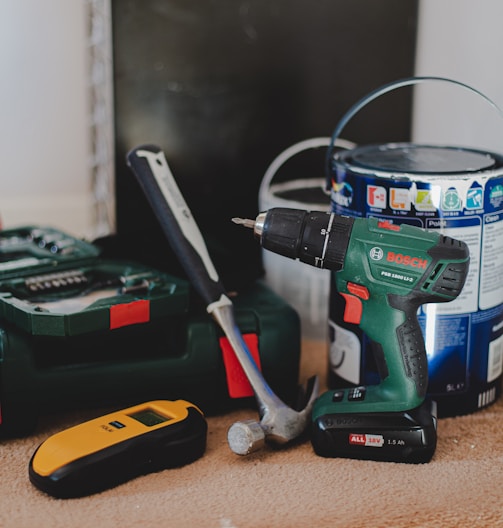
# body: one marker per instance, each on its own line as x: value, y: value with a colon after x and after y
x: 458, y: 191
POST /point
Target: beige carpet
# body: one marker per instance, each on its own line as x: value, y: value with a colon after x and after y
x: 461, y: 487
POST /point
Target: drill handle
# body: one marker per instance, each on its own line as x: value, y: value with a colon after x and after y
x: 390, y: 322
x: 412, y: 346
x: 151, y: 169
x: 401, y: 337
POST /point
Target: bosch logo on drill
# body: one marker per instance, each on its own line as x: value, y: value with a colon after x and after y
x: 376, y: 253
x: 406, y: 260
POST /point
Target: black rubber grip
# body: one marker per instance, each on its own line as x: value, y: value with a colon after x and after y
x: 283, y: 231
x: 411, y: 342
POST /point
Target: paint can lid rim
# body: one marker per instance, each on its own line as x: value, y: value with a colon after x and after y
x: 412, y: 158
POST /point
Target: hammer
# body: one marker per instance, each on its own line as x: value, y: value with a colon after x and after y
x: 278, y: 423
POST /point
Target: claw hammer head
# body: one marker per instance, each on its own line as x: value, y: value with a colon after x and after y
x: 279, y: 424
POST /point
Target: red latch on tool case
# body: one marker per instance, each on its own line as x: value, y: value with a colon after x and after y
x: 237, y: 382
x: 129, y: 313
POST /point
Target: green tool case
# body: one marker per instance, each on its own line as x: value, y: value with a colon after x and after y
x: 81, y: 331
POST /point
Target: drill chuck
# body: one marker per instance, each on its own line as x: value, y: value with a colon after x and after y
x: 316, y: 238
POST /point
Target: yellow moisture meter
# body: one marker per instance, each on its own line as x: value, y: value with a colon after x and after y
x: 109, y: 450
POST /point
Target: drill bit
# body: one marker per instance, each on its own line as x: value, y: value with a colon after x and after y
x: 244, y: 222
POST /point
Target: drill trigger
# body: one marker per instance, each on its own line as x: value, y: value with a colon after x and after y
x: 353, y: 310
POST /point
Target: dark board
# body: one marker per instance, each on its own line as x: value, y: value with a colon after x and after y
x: 224, y: 86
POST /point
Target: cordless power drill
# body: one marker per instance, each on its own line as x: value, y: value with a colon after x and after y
x: 384, y: 271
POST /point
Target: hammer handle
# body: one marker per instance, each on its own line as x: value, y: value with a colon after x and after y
x: 151, y: 169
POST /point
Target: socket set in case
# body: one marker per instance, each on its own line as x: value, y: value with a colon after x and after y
x: 81, y: 331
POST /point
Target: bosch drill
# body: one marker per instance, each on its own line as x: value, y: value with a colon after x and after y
x: 384, y: 271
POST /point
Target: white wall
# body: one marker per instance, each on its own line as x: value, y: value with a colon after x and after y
x: 461, y: 40
x: 45, y: 141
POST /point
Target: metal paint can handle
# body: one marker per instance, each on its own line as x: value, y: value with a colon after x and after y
x: 408, y: 81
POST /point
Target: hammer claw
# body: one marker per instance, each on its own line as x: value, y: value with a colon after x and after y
x: 279, y: 423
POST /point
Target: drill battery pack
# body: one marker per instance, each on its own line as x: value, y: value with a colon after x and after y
x: 402, y: 436
x: 79, y: 331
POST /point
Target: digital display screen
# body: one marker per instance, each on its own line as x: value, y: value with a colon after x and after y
x: 149, y: 417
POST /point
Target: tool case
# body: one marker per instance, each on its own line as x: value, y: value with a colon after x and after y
x: 81, y: 331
